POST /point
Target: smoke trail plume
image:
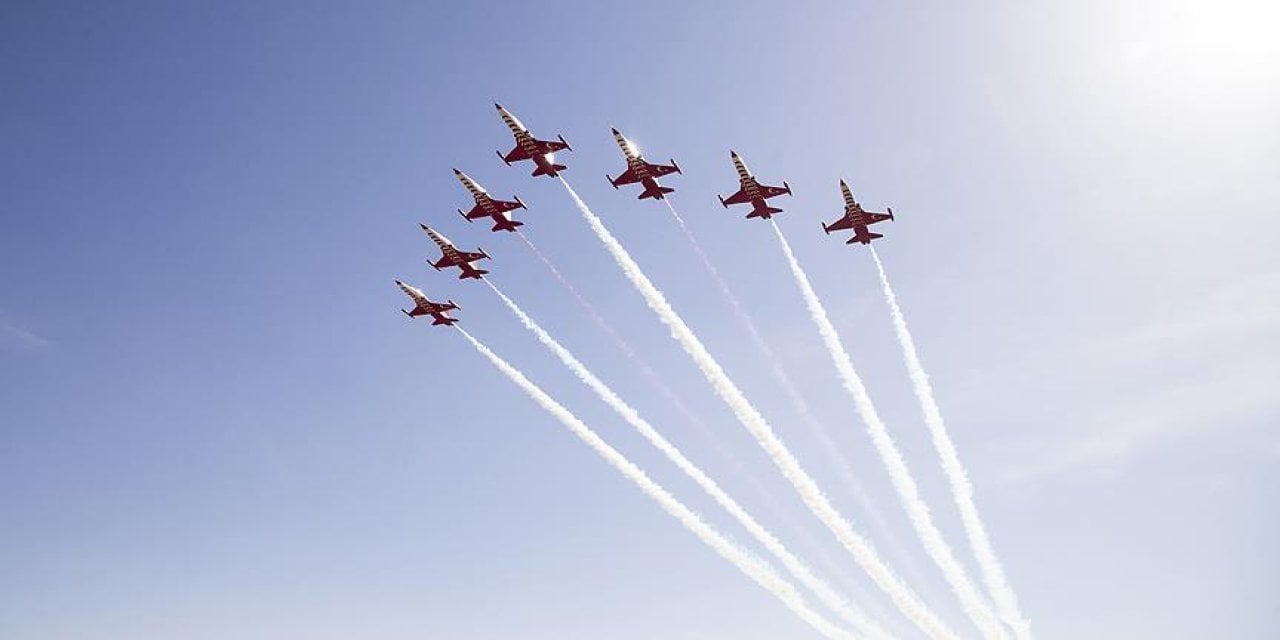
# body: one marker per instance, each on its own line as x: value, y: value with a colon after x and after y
x: 916, y: 509
x: 961, y: 489
x: 755, y: 423
x: 627, y: 350
x: 762, y: 492
x: 779, y: 374
x: 794, y: 565
x: 753, y: 567
x: 833, y: 451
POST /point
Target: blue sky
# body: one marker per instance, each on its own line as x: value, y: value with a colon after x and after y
x: 214, y: 423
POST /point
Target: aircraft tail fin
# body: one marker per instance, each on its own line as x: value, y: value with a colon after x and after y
x: 509, y: 225
x: 445, y: 320
x: 474, y: 273
x: 865, y: 239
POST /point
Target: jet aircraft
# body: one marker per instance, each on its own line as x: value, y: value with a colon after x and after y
x: 639, y: 170
x: 451, y: 257
x: 541, y: 152
x: 749, y: 190
x: 857, y: 219
x: 422, y: 306
x: 488, y: 207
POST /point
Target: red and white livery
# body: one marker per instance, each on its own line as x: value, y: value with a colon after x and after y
x: 452, y: 257
x: 857, y: 219
x: 642, y: 171
x: 750, y: 190
x: 541, y: 152
x: 424, y: 307
x: 488, y: 207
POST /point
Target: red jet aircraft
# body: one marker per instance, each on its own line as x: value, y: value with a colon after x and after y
x: 423, y: 306
x: 541, y: 152
x: 857, y: 219
x: 486, y: 206
x: 639, y: 170
x: 749, y: 190
x: 453, y: 258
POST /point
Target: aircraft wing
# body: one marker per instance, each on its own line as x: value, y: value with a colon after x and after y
x: 434, y: 307
x: 504, y: 206
x: 626, y: 177
x: 767, y: 192
x: 471, y: 256
x: 846, y: 222
x: 550, y: 146
x: 659, y: 170
x: 476, y: 213
x: 863, y: 218
x: 516, y: 154
x: 740, y: 197
x: 426, y: 307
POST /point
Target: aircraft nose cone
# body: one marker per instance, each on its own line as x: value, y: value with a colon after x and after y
x: 498, y: 106
x: 615, y: 132
x: 424, y: 227
x: 456, y: 172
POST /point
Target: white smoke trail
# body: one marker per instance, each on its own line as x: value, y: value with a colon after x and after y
x: 961, y: 489
x: 794, y: 565
x: 762, y: 492
x: 779, y: 374
x: 753, y: 567
x: 833, y: 451
x: 937, y: 548
x: 755, y: 423
x: 627, y: 350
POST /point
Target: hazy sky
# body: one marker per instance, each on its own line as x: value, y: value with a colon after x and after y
x: 214, y: 422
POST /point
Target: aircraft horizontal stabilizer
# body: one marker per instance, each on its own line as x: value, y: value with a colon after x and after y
x: 656, y: 193
x: 555, y: 168
x: 764, y: 212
